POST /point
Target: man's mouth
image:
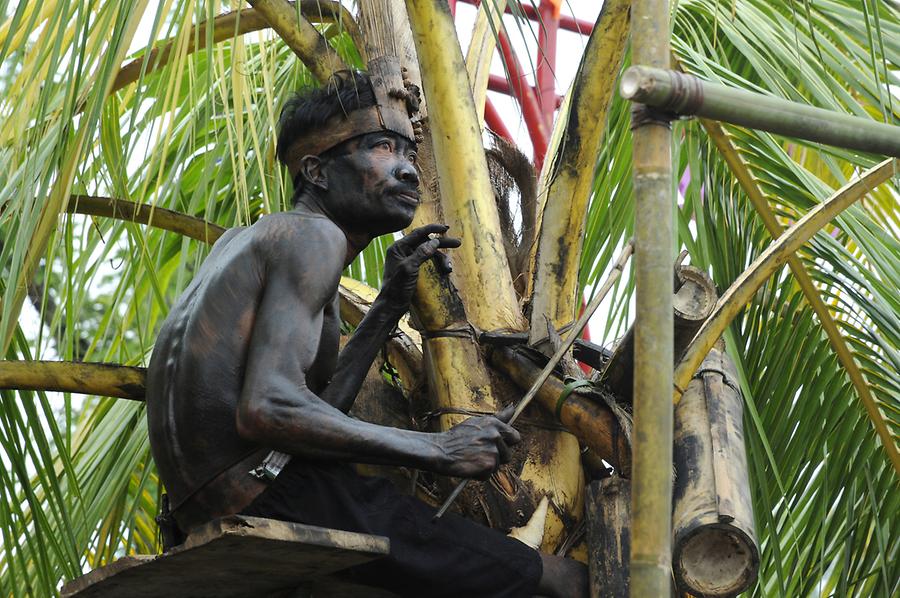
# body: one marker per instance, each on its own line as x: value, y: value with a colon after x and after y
x: 410, y: 197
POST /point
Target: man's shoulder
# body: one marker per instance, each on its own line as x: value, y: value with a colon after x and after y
x: 300, y: 240
x: 293, y: 227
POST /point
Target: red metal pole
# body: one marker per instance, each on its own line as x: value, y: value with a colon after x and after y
x: 452, y: 4
x: 495, y: 123
x: 546, y: 59
x: 531, y: 109
x: 567, y: 22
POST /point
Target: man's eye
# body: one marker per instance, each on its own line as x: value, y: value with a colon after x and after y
x: 384, y: 143
x: 413, y: 157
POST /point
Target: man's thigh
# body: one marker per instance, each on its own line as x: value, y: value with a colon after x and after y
x: 451, y: 557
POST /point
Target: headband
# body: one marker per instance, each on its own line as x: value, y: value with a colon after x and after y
x: 395, y: 101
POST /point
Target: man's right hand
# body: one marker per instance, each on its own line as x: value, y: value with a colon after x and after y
x: 476, y: 447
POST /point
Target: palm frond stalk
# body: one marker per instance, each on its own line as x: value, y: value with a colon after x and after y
x: 568, y: 173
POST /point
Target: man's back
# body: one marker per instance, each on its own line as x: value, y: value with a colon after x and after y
x: 196, y: 374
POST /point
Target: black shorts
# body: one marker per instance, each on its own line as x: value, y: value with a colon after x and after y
x: 452, y: 557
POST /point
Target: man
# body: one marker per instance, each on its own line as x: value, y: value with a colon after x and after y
x: 247, y: 362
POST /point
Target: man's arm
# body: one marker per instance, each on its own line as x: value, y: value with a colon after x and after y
x: 401, y: 270
x: 278, y: 410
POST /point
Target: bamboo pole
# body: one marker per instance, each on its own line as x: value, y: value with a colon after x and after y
x: 565, y: 184
x: 651, y: 543
x: 299, y: 34
x: 687, y: 95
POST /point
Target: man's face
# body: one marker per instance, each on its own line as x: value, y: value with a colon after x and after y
x: 373, y: 183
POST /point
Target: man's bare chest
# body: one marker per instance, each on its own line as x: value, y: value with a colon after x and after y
x: 325, y: 362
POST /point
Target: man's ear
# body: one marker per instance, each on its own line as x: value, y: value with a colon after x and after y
x: 312, y: 172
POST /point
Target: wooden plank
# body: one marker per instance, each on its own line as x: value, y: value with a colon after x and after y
x: 233, y: 556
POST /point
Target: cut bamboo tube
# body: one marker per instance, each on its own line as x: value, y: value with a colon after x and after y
x: 687, y: 95
x: 608, y: 517
x: 692, y: 304
x: 715, y: 548
x: 651, y: 545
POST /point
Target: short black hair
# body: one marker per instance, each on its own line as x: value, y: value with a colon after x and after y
x: 306, y: 111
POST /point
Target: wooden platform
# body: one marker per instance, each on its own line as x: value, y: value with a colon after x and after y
x: 239, y: 556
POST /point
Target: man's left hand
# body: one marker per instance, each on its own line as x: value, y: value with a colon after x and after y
x: 406, y: 256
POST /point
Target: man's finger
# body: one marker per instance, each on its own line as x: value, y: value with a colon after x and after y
x: 424, y: 251
x: 509, y: 435
x: 506, y: 413
x: 420, y: 235
x: 503, y: 452
x: 442, y: 263
x: 449, y: 242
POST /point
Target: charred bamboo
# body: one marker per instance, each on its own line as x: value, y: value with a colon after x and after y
x: 593, y: 423
x: 692, y: 304
x: 685, y: 94
x: 715, y: 547
x: 608, y: 516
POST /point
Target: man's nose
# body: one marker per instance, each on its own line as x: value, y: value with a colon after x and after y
x: 406, y: 173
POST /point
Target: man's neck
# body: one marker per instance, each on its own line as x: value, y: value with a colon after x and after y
x: 309, y: 203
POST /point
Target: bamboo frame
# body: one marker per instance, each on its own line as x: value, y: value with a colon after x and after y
x: 742, y: 172
x: 651, y: 542
x: 687, y: 95
x: 743, y: 289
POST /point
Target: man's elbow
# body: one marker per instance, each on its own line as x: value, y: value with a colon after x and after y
x: 269, y: 416
x: 253, y: 421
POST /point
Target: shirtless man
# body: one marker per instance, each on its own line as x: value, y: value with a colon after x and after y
x: 247, y: 362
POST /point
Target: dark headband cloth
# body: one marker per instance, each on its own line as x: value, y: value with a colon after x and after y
x: 344, y: 127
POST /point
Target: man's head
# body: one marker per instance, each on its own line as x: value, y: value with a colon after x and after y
x: 338, y: 149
